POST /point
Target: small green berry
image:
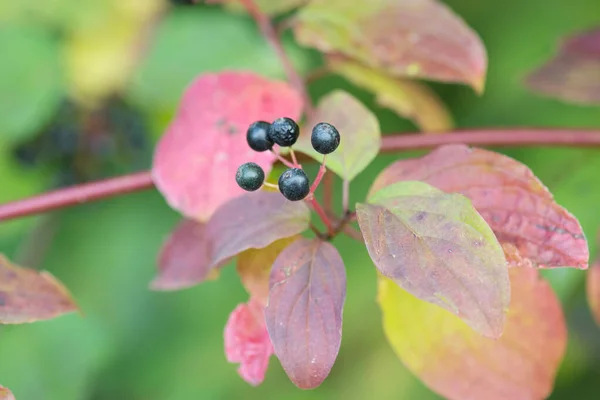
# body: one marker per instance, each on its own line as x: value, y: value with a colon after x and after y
x: 325, y: 138
x: 294, y: 184
x: 258, y: 136
x: 284, y: 131
x: 250, y: 176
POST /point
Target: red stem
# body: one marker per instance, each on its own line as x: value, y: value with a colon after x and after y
x: 391, y: 143
x: 76, y: 195
x: 320, y: 174
x: 322, y: 214
x: 269, y: 32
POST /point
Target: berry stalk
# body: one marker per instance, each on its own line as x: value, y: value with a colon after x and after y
x: 319, y: 177
x: 314, y: 203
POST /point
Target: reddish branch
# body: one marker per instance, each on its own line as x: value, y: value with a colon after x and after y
x: 270, y: 33
x: 76, y: 195
x: 391, y: 143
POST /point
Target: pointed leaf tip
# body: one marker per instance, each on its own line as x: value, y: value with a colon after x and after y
x: 304, y: 315
x: 196, y: 159
x: 27, y: 295
x: 437, y: 247
x: 517, y: 206
x: 409, y: 38
x: 572, y: 74
x: 434, y: 344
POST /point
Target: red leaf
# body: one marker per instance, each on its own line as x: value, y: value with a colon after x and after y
x: 252, y: 221
x: 196, y: 160
x: 27, y: 295
x: 516, y: 205
x: 247, y: 341
x: 593, y: 290
x: 416, y: 38
x: 437, y: 247
x: 572, y: 75
x: 459, y: 364
x: 184, y: 259
x: 304, y: 315
x: 6, y: 394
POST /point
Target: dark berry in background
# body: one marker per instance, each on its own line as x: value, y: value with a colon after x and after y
x: 250, y: 176
x: 325, y: 138
x: 284, y: 131
x: 258, y: 136
x: 294, y: 184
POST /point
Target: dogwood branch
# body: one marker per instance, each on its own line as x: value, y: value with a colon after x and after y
x: 521, y: 137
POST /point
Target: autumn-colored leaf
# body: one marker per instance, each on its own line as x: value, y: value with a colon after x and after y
x: 6, y: 394
x: 304, y: 315
x: 414, y: 38
x: 359, y: 132
x: 269, y: 7
x: 184, y: 259
x: 247, y: 341
x: 196, y: 159
x: 407, y: 98
x: 27, y: 295
x: 459, y: 364
x: 436, y: 246
x: 593, y: 290
x: 517, y: 206
x: 252, y: 221
x: 572, y: 75
x: 254, y: 268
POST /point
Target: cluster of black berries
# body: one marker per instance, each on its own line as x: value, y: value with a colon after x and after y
x: 261, y: 136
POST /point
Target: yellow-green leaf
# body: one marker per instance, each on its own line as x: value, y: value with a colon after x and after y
x: 409, y: 99
x: 415, y: 38
x: 360, y: 135
x: 459, y: 364
x: 254, y: 267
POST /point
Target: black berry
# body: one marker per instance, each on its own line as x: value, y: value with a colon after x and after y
x: 284, y: 131
x: 250, y: 176
x: 258, y: 136
x: 293, y: 184
x: 325, y: 138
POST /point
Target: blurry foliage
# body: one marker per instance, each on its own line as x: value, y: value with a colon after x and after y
x: 136, y: 344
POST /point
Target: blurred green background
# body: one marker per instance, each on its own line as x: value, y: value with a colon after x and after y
x: 86, y: 88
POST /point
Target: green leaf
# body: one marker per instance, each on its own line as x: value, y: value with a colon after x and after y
x: 360, y: 135
x: 415, y: 38
x: 409, y: 99
x: 437, y: 247
x: 31, y: 82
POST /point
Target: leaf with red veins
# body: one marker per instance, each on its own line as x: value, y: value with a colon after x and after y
x: 304, y: 314
x: 572, y: 75
x: 517, y: 206
x: 196, y: 160
x: 247, y: 341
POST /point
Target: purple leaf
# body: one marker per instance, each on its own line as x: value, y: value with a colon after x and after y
x: 437, y: 247
x: 184, y: 258
x: 251, y: 221
x: 304, y: 315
